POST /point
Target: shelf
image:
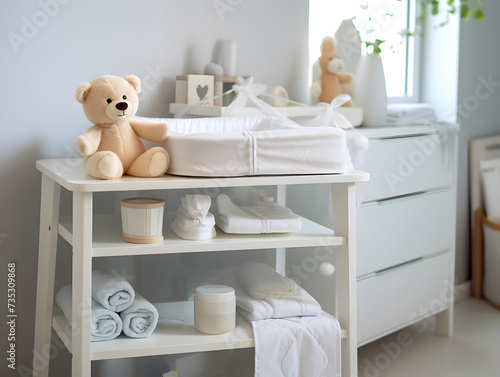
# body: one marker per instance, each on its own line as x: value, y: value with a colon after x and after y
x: 107, y: 239
x: 174, y: 334
x: 70, y: 174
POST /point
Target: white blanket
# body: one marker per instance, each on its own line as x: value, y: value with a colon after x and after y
x: 140, y: 319
x: 297, y: 347
x: 261, y: 281
x: 104, y: 323
x: 266, y: 217
x: 276, y: 307
x: 112, y: 291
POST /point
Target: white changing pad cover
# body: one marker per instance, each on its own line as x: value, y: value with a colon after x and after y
x: 241, y: 146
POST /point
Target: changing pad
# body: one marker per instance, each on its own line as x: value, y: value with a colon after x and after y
x: 240, y: 146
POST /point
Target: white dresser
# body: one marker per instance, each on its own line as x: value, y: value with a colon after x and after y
x: 406, y: 229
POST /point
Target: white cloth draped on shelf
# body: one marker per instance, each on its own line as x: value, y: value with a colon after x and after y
x: 293, y: 337
x: 297, y: 347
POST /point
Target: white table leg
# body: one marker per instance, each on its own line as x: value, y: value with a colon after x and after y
x: 47, y: 250
x: 82, y: 283
x: 344, y: 223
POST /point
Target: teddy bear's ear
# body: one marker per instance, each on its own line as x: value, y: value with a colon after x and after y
x: 134, y: 81
x: 327, y: 45
x: 82, y: 92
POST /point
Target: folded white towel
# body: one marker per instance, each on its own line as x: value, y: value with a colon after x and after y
x: 193, y: 221
x: 276, y: 307
x: 140, y: 319
x: 104, y: 323
x: 266, y: 217
x: 112, y: 291
x: 410, y: 113
x: 297, y: 347
x: 261, y: 281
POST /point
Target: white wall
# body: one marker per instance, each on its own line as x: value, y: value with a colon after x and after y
x: 456, y: 60
x: 478, y: 109
x: 80, y: 40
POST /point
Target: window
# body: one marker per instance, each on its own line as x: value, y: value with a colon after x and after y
x: 387, y: 18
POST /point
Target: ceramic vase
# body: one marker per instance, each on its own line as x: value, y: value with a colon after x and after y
x: 370, y: 92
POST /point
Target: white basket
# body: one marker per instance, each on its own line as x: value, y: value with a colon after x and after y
x: 142, y: 220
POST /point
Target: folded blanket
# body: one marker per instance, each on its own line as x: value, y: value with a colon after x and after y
x: 112, y: 291
x: 276, y: 307
x: 297, y: 347
x: 410, y: 113
x: 266, y: 217
x: 261, y: 281
x: 140, y: 319
x: 104, y: 323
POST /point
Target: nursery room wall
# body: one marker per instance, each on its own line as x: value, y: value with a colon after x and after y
x: 48, y: 47
x: 478, y: 111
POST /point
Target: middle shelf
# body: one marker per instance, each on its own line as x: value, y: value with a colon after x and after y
x: 174, y: 334
x: 107, y: 239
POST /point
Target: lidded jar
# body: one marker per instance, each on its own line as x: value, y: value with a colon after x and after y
x: 214, y: 309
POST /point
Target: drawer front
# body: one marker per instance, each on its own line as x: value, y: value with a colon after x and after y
x: 394, y: 231
x: 399, y: 166
x: 399, y: 297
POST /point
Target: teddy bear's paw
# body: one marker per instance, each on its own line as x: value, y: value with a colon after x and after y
x: 104, y: 165
x: 83, y: 146
x: 316, y: 89
x: 152, y: 163
x: 108, y: 166
x: 158, y: 164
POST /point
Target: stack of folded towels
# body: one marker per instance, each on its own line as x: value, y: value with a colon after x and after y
x: 265, y: 217
x: 401, y: 114
x: 293, y: 336
x: 116, y: 307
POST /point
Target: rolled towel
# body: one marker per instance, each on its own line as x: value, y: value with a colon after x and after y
x: 104, y: 323
x: 112, y: 291
x: 140, y: 319
x: 261, y: 281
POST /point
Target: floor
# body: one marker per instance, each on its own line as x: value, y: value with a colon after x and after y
x: 473, y: 351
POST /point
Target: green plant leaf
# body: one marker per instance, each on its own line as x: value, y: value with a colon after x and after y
x: 479, y: 3
x: 478, y: 15
x: 451, y: 2
x: 465, y: 12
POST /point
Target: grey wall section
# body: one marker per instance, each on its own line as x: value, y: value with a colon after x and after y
x: 477, y: 108
x: 461, y: 78
x: 48, y: 47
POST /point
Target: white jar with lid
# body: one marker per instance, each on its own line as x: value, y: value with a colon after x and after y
x: 214, y: 309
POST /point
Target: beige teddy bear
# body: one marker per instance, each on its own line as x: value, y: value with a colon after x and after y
x: 331, y: 81
x: 111, y: 147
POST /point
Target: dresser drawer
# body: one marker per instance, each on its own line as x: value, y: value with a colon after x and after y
x: 396, y: 230
x: 402, y: 165
x: 398, y: 297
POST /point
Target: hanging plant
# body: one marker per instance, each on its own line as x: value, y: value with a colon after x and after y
x: 469, y: 9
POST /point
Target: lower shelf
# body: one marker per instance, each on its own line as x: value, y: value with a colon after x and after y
x: 174, y: 334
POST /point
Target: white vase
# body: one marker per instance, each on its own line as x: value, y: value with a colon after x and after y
x: 370, y: 93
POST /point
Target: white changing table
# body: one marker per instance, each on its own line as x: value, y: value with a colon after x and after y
x: 77, y: 231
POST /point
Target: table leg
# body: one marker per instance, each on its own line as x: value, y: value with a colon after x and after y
x: 47, y: 250
x: 82, y: 283
x: 344, y: 223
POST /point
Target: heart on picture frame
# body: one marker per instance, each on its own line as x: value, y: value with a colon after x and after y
x: 202, y: 91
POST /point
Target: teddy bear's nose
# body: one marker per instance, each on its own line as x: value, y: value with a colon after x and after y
x: 122, y: 106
